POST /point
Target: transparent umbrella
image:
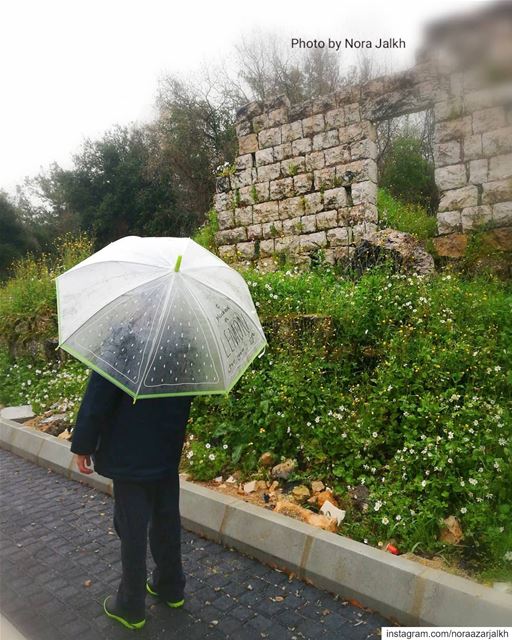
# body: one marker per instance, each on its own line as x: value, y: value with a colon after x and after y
x: 159, y: 317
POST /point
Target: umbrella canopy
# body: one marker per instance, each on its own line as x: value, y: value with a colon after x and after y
x: 159, y: 317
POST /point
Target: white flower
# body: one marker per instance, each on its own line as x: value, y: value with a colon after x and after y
x: 211, y: 456
x: 224, y: 446
x: 508, y: 556
x: 463, y: 510
x: 450, y: 435
x: 412, y: 512
x: 449, y: 460
x: 472, y: 481
x: 190, y: 454
x: 317, y: 419
x: 385, y: 520
x: 378, y: 505
x: 398, y: 518
x: 462, y: 483
x: 423, y: 483
x: 497, y: 368
x: 207, y: 445
x: 375, y: 434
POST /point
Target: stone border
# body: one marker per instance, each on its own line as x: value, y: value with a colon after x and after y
x: 393, y: 586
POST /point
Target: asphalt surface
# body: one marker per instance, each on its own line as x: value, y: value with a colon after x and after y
x: 60, y: 558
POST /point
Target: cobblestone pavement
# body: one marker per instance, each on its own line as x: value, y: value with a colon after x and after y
x: 57, y: 537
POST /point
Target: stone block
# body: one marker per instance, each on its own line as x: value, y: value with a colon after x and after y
x: 246, y: 250
x: 312, y: 241
x: 265, y: 156
x: 291, y: 207
x: 269, y: 172
x: 254, y: 232
x: 326, y: 220
x: 478, y: 171
x: 282, y: 188
x: 447, y: 153
x: 339, y: 236
x: 241, y: 178
x: 364, y: 192
x: 243, y: 128
x: 451, y: 177
x: 286, y: 244
x: 303, y: 183
x: 283, y: 151
x: 313, y: 124
x: 449, y: 109
x: 456, y: 129
x: 243, y: 216
x: 56, y: 455
x: 308, y: 224
x: 472, y: 147
x: 362, y: 229
x: 226, y: 219
x: 252, y: 530
x: 363, y: 149
x: 324, y: 178
x: 19, y: 414
x: 337, y: 155
x: 27, y: 442
x: 358, y: 131
x: 497, y: 142
x: 449, y: 221
x: 269, y: 137
x: 291, y: 131
x: 293, y: 166
x: 315, y: 160
x: 231, y: 236
x: 265, y: 212
x: 203, y: 510
x: 266, y: 248
x: 248, y: 144
x: 301, y: 146
x: 325, y: 140
x: 227, y: 252
x: 222, y: 201
x: 500, y: 167
x: 244, y: 162
x: 488, y: 119
x: 452, y: 245
x: 459, y: 198
x: 498, y: 191
x: 358, y: 213
x: 352, y: 113
x: 335, y: 118
x: 357, y: 171
x: 312, y: 203
x: 243, y: 197
x: 500, y: 238
x: 335, y: 198
x: 278, y: 116
x: 293, y: 226
x: 502, y: 214
x: 474, y: 217
x: 271, y: 229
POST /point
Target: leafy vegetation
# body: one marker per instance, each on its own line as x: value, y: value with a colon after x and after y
x: 403, y: 216
x: 398, y: 383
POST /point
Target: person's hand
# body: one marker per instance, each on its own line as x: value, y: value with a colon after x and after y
x: 84, y: 463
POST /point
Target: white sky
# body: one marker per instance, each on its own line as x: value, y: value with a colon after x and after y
x: 70, y: 69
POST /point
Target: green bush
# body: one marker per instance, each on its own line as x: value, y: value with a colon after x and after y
x: 408, y: 175
x: 411, y: 396
x: 205, y: 235
x: 411, y: 218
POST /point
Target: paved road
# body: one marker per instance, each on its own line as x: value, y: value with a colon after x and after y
x: 56, y: 536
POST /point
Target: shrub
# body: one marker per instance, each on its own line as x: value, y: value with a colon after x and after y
x: 411, y: 218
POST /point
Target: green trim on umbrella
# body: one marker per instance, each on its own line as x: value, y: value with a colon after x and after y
x: 178, y: 264
x: 91, y: 365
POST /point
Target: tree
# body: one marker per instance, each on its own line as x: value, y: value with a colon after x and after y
x: 15, y: 238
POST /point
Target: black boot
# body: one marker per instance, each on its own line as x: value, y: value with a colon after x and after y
x: 126, y: 618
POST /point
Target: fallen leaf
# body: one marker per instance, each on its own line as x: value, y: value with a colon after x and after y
x: 87, y: 583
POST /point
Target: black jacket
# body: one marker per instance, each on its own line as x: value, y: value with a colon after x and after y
x: 141, y: 441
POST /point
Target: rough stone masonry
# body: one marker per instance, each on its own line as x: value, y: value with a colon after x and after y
x: 306, y: 177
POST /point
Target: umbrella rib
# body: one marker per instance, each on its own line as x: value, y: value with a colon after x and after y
x: 155, y: 345
x: 110, y: 302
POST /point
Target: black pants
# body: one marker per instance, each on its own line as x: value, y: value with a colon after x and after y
x: 137, y: 505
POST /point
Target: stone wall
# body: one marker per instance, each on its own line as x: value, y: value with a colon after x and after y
x: 305, y: 178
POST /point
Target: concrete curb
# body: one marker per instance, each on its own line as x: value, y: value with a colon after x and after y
x: 392, y: 585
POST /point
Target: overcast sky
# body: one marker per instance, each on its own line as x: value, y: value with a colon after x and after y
x: 70, y: 69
